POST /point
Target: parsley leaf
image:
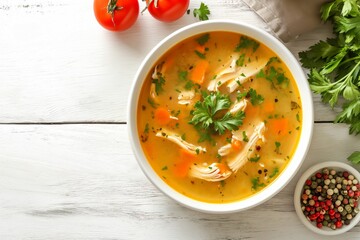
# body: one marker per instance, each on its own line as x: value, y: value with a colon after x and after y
x: 256, y: 183
x: 334, y: 64
x: 203, y: 39
x: 354, y: 157
x: 202, y: 12
x: 246, y: 42
x: 159, y: 83
x: 208, y: 113
x: 274, y: 172
x: 255, y: 99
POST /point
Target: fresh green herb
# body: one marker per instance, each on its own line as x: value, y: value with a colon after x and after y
x: 256, y: 183
x: 159, y: 83
x: 202, y: 12
x: 274, y: 172
x: 277, y: 147
x: 197, y: 151
x: 335, y: 63
x: 246, y: 42
x: 146, y: 130
x: 183, y: 75
x: 152, y: 103
x: 200, y: 55
x: 204, y: 135
x: 297, y: 117
x: 207, y: 113
x: 245, y: 137
x: 183, y: 137
x: 272, y: 60
x: 354, y: 157
x: 240, y: 95
x: 189, y: 84
x: 255, y: 99
x: 203, y: 39
x: 255, y: 159
x: 240, y: 61
x: 275, y: 76
x: 164, y: 168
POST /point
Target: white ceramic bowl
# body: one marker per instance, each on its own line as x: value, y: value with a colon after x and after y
x: 305, y: 94
x: 338, y: 166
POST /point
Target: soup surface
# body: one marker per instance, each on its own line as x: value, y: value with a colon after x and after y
x: 219, y: 117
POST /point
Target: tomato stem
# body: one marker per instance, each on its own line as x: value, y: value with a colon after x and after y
x: 156, y: 2
x: 112, y: 7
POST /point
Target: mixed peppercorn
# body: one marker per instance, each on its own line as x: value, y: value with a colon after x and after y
x: 330, y: 198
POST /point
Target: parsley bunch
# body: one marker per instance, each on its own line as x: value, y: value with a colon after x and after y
x: 209, y: 114
x: 335, y: 63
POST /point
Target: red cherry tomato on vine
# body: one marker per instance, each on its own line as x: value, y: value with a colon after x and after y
x: 167, y: 10
x: 116, y: 15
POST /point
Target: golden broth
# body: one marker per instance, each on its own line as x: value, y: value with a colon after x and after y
x: 189, y: 68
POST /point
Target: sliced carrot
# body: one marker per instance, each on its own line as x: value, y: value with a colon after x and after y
x: 182, y: 167
x: 162, y: 116
x: 279, y: 126
x: 198, y: 72
x: 200, y: 48
x: 222, y: 167
x: 269, y: 106
x: 236, y: 144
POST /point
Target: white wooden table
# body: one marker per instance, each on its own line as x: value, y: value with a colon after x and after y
x: 66, y: 167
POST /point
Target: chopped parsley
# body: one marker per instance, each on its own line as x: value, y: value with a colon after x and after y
x: 206, y: 113
x: 203, y: 39
x: 200, y: 55
x: 240, y: 61
x: 274, y: 172
x: 256, y: 184
x: 277, y: 147
x: 245, y: 43
x: 255, y: 99
x: 245, y: 137
x: 256, y: 158
x: 159, y: 83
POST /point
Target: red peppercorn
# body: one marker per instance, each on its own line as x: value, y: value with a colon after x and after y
x: 337, y: 215
x: 351, y: 193
x: 331, y: 212
x: 318, y: 220
x: 345, y: 201
x: 318, y: 175
x: 315, y: 198
x: 328, y: 202
x: 326, y: 208
x: 347, y: 187
x: 308, y: 209
x: 332, y: 217
x: 308, y: 182
x: 356, y: 193
x: 338, y: 224
x: 321, y: 216
x: 319, y: 225
x: 325, y: 176
x: 312, y: 217
x: 355, y: 204
x: 346, y: 174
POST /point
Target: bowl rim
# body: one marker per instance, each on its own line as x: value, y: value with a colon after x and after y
x: 298, y: 190
x: 305, y: 94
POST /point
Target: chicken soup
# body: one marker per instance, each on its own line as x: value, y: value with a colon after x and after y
x: 219, y: 117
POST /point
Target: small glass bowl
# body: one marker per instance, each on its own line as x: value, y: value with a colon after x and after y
x: 338, y: 166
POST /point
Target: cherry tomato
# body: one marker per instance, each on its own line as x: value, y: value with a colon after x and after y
x: 167, y: 10
x: 116, y: 15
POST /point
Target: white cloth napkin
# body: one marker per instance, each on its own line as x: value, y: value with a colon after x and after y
x: 288, y: 18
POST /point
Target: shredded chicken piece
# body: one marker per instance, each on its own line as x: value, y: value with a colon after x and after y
x: 230, y: 72
x: 211, y: 173
x: 239, y: 106
x: 248, y: 72
x: 225, y: 150
x: 186, y: 97
x: 239, y: 160
x: 180, y: 142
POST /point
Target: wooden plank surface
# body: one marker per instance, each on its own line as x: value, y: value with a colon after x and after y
x: 82, y: 182
x: 58, y: 65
